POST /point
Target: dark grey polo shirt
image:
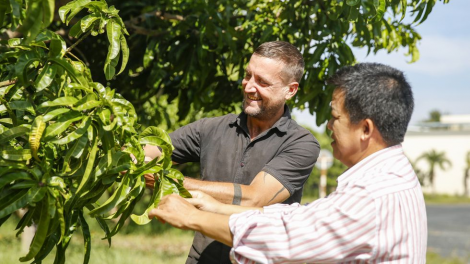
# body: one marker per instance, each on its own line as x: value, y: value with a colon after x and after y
x: 223, y: 147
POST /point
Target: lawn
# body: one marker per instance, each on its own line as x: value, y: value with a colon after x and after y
x: 169, y: 247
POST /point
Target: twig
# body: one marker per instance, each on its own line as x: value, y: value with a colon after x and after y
x: 7, y: 83
x: 78, y: 41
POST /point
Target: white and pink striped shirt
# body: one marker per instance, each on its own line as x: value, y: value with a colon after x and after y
x: 376, y: 215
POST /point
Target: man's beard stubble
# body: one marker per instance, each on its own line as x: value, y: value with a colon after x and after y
x: 263, y: 112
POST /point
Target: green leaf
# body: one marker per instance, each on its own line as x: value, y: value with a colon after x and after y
x: 86, y: 237
x: 48, y: 12
x: 68, y: 11
x: 74, y: 74
x: 118, y: 196
x: 41, y: 231
x: 13, y: 133
x: 114, y: 37
x: 87, y: 102
x: 77, y: 133
x: 404, y: 4
x: 32, y: 23
x: 113, y: 31
x: 110, y: 67
x: 37, y: 128
x: 87, y: 21
x: 353, y: 13
x: 14, y: 176
x: 34, y: 194
x: 128, y: 211
x: 16, y: 154
x: 5, y: 8
x: 60, y: 126
x: 380, y: 6
x: 46, y: 77
x: 23, y: 105
x: 61, y: 101
x: 353, y: 2
x: 76, y: 30
x: 125, y: 53
x: 78, y: 148
x: 89, y: 167
x: 54, y: 113
x: 56, y: 49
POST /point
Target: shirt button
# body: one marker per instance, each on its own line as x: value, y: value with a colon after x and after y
x: 242, y: 164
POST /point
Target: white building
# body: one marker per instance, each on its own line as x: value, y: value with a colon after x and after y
x: 452, y: 136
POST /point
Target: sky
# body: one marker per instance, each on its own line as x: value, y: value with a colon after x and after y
x: 440, y: 79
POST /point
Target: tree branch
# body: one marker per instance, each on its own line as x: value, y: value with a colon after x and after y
x: 78, y: 41
x: 7, y: 83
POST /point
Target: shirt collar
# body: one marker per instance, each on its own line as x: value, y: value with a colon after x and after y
x: 282, y: 124
x: 371, y: 161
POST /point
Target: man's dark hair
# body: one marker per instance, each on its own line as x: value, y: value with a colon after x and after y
x: 380, y: 93
x: 288, y: 54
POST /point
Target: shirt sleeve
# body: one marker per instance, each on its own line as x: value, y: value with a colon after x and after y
x: 337, y: 228
x: 292, y: 166
x: 187, y: 142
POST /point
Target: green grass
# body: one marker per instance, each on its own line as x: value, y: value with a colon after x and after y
x: 170, y: 247
x: 434, y: 258
x: 445, y: 199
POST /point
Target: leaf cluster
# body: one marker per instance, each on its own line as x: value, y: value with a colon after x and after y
x: 67, y: 142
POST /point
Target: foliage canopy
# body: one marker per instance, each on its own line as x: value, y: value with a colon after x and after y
x: 65, y: 140
x: 188, y: 57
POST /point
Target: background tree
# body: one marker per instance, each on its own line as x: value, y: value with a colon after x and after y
x: 434, y: 158
x: 434, y: 116
x: 188, y: 57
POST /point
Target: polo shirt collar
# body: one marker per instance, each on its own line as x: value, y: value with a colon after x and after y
x: 282, y: 124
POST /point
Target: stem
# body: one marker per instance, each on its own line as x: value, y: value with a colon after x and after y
x: 7, y: 83
x: 78, y: 41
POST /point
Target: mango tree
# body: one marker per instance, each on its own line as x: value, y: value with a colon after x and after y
x: 66, y: 140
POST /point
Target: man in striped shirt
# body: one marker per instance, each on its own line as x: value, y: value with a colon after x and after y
x: 377, y: 213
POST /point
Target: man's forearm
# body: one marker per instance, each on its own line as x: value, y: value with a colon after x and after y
x: 221, y: 191
x: 212, y: 225
x: 263, y: 190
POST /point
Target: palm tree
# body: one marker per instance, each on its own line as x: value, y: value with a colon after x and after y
x: 434, y: 158
x: 466, y: 175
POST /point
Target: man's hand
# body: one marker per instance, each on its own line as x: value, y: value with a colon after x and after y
x: 149, y: 180
x: 175, y: 211
x: 204, y: 202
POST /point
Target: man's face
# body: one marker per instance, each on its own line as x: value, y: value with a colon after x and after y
x: 346, y: 136
x: 264, y: 91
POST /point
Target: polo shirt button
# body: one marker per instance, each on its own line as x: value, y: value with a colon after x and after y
x: 242, y: 164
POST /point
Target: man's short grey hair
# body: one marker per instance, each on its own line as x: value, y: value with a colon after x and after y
x: 288, y: 54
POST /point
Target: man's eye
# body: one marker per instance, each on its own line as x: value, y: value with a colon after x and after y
x: 263, y: 83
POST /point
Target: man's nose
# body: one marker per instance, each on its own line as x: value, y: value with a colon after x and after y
x: 328, y: 125
x: 249, y: 85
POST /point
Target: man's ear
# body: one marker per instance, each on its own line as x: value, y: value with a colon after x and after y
x: 368, y: 128
x: 291, y: 90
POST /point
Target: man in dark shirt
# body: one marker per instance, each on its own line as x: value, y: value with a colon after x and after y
x: 259, y: 157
